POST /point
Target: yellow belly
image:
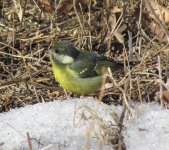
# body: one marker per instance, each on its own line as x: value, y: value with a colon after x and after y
x: 69, y: 81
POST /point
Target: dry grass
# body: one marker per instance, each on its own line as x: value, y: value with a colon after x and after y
x: 119, y: 31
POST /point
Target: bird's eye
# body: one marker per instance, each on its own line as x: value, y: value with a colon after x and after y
x: 59, y: 50
x: 56, y: 50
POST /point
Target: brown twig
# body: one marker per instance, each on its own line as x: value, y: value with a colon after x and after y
x: 29, y: 141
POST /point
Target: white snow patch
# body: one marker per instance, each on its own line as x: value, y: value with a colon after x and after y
x: 50, y: 123
x: 148, y: 128
x: 53, y: 124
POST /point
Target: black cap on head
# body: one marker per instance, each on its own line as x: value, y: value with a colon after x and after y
x: 65, y: 48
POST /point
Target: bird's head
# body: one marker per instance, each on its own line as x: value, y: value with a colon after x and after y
x: 64, y: 52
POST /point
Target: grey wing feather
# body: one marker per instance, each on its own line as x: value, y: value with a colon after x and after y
x: 84, y: 69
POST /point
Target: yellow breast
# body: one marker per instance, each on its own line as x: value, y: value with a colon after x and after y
x: 71, y: 82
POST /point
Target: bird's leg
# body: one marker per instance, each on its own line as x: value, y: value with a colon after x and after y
x: 65, y: 93
x: 68, y: 94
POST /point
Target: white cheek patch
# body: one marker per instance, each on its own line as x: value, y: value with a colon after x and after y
x: 64, y: 59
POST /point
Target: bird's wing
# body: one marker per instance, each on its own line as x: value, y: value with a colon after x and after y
x: 102, y: 63
x: 90, y: 64
x: 84, y: 68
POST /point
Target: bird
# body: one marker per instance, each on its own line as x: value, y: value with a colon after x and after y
x: 79, y: 71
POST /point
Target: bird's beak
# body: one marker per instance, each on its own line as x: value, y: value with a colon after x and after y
x: 50, y: 50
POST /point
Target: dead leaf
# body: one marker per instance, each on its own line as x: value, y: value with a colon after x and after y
x: 161, y: 11
x: 66, y: 6
x: 18, y: 9
x: 47, y: 6
x: 112, y: 22
x: 159, y: 14
x: 166, y: 96
x: 142, y: 129
x: 160, y: 34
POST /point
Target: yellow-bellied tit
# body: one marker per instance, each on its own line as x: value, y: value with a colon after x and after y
x: 79, y: 71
